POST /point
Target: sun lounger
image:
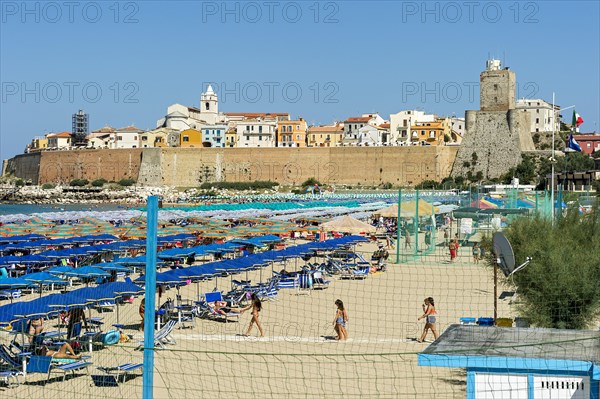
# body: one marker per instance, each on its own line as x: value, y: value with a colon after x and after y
x: 111, y: 378
x: 211, y: 297
x: 6, y: 376
x: 163, y: 336
x: 356, y: 274
x: 14, y: 362
x: 44, y: 364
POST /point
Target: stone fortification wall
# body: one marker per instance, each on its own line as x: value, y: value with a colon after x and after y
x: 190, y: 167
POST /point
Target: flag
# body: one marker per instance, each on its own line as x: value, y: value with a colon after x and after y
x: 573, y: 144
x: 577, y: 119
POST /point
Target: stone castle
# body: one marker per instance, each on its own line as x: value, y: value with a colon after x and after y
x: 498, y: 133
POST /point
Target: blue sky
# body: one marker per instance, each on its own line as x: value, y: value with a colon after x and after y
x: 323, y: 61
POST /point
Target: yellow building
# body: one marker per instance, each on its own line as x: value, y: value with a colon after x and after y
x: 325, y: 136
x: 292, y: 133
x: 431, y: 133
x: 38, y: 144
x: 231, y: 137
x: 191, y: 138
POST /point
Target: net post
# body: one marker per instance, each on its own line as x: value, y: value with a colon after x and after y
x: 398, y: 237
x: 416, y: 223
x: 151, y: 231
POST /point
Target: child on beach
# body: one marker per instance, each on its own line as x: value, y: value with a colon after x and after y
x: 429, y: 313
x: 476, y: 253
x: 341, y: 318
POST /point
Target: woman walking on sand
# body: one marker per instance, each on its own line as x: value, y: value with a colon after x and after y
x: 256, y: 307
x: 341, y: 318
x: 429, y: 313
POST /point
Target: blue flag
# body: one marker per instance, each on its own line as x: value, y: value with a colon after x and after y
x: 573, y: 144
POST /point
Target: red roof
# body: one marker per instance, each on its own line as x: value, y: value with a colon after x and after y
x: 385, y: 125
x: 587, y: 137
x: 256, y: 114
x: 60, y: 135
x: 358, y: 119
x: 130, y: 129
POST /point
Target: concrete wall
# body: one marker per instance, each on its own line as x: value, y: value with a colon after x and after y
x: 190, y: 167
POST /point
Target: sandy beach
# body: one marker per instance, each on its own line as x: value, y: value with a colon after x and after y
x: 298, y: 357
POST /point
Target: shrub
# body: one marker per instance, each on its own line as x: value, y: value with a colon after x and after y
x: 559, y: 289
x: 387, y: 186
x: 99, y: 182
x: 255, y: 185
x: 47, y: 186
x: 126, y: 182
x: 79, y: 183
x: 19, y: 183
x: 311, y: 182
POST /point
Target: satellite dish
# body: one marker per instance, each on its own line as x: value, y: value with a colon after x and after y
x: 504, y: 253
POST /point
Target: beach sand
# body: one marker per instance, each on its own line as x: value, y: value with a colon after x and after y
x: 299, y: 358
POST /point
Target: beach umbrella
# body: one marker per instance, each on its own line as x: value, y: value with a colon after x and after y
x: 42, y: 278
x: 112, y: 267
x: 87, y: 272
x: 12, y: 283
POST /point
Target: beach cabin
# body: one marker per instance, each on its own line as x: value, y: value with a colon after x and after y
x: 520, y: 363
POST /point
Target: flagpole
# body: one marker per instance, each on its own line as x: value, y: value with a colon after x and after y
x: 552, y: 159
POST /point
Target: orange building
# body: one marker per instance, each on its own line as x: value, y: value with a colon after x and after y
x: 292, y: 133
x: 431, y: 133
x: 190, y: 138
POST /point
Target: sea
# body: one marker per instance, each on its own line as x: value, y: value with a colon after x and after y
x: 13, y: 208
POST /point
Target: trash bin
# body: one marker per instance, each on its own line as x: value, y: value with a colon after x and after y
x: 504, y: 322
x: 521, y: 322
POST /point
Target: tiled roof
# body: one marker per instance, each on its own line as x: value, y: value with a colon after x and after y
x: 358, y: 119
x: 105, y: 129
x: 256, y: 114
x: 587, y: 137
x: 60, y: 135
x: 317, y: 129
x: 131, y: 128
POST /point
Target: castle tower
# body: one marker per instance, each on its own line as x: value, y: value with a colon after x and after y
x: 209, y: 106
x: 497, y: 134
x: 497, y: 88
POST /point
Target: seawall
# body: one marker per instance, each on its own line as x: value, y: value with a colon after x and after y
x: 190, y: 167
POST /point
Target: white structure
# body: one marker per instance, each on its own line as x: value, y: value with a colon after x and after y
x: 128, y: 137
x: 540, y: 113
x: 256, y: 133
x: 59, y: 141
x: 457, y: 125
x: 182, y: 117
x: 353, y: 124
x: 214, y: 135
x: 401, y: 122
x: 371, y: 136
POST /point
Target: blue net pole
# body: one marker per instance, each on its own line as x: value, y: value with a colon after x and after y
x: 151, y: 232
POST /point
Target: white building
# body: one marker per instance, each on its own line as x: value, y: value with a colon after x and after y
x: 128, y: 137
x: 372, y: 136
x: 59, y: 141
x: 401, y: 122
x: 540, y: 113
x: 353, y: 124
x: 457, y: 125
x: 256, y: 133
x: 214, y: 135
x: 182, y: 117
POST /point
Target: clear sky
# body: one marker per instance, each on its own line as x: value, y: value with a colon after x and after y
x: 125, y: 62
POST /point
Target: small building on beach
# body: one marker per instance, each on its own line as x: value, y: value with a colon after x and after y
x: 520, y: 363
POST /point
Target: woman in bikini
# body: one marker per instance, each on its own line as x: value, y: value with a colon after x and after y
x: 429, y: 313
x: 65, y: 352
x: 36, y: 326
x: 341, y: 318
x: 256, y: 307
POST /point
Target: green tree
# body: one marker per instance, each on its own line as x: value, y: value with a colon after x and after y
x: 310, y: 182
x: 560, y: 288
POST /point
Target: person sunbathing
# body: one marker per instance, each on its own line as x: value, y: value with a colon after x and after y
x: 65, y: 352
x: 219, y: 307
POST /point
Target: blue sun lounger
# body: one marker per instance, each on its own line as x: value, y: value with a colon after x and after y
x: 112, y: 380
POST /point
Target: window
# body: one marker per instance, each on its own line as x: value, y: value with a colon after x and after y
x: 119, y: 138
x: 283, y: 129
x: 186, y: 138
x: 283, y: 138
x: 144, y: 138
x: 247, y: 128
x: 260, y: 138
x: 422, y: 132
x: 537, y: 120
x: 297, y: 137
x: 260, y: 129
x: 207, y: 106
x: 297, y: 127
x: 247, y: 138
